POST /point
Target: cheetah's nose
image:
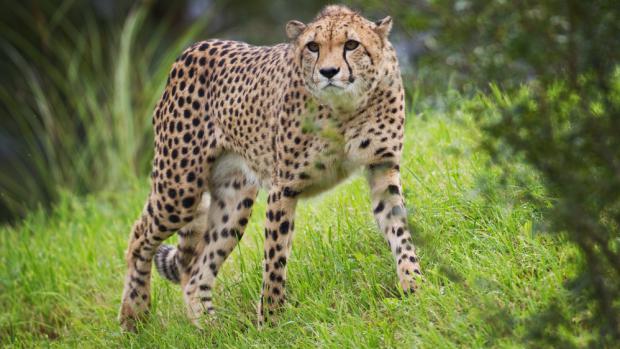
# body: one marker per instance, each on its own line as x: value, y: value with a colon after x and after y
x: 329, y: 72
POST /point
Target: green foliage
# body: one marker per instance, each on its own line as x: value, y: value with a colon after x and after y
x: 565, y: 125
x: 82, y: 102
x: 473, y: 42
x: 486, y: 270
x: 553, y: 104
x: 570, y: 137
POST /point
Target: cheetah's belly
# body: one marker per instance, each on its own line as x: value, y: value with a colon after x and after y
x: 231, y: 162
x: 327, y: 172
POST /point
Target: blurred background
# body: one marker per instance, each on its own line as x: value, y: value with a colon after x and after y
x: 79, y: 80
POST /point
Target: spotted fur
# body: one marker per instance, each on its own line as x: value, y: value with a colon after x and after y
x: 293, y: 118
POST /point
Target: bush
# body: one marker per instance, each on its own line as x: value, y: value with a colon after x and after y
x: 569, y: 135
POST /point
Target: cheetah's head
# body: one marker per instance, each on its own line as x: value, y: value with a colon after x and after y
x: 340, y: 55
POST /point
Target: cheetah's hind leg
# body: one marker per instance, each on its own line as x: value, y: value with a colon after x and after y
x: 173, y: 263
x: 153, y: 227
x: 233, y: 189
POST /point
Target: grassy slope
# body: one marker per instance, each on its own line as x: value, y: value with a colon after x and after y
x: 61, y: 274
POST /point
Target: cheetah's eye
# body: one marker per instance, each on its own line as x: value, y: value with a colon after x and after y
x: 312, y: 46
x: 351, y: 45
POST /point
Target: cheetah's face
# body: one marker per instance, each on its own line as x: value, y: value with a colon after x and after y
x: 340, y: 57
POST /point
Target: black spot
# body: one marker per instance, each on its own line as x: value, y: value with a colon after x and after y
x: 380, y: 150
x: 188, y: 202
x: 365, y: 143
x: 191, y: 177
x: 290, y: 193
x: 281, y: 262
x: 393, y: 189
x: 284, y: 227
x: 379, y: 207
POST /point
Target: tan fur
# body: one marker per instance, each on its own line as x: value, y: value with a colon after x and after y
x: 236, y: 117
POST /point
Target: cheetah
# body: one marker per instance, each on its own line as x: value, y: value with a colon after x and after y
x: 294, y: 119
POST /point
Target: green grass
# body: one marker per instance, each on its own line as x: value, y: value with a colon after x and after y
x: 487, y: 270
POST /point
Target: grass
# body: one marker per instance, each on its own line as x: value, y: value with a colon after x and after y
x: 487, y: 269
x: 81, y: 100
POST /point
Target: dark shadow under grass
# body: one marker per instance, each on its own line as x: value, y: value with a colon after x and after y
x: 486, y: 270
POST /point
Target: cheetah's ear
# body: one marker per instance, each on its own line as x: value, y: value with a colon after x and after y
x: 294, y: 28
x: 383, y: 27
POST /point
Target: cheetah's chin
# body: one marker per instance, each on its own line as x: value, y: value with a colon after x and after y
x: 344, y: 98
x: 330, y: 87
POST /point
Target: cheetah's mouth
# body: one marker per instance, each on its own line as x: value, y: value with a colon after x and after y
x: 332, y: 86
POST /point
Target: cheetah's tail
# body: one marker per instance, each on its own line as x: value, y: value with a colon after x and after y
x: 166, y: 262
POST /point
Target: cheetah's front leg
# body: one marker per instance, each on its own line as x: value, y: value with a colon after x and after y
x: 389, y: 210
x: 279, y: 225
